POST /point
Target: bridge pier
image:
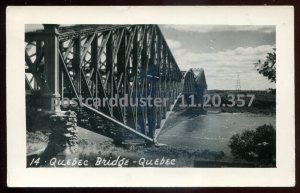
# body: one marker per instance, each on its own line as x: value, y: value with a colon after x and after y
x: 51, y: 68
x: 62, y: 124
x: 63, y: 141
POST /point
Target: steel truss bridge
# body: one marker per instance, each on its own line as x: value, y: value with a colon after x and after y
x: 105, y: 61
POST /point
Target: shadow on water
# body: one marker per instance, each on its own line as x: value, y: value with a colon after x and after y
x: 183, y: 117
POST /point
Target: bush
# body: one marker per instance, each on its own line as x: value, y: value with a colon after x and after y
x: 255, y: 145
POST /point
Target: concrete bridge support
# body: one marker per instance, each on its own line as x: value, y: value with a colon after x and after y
x: 63, y: 139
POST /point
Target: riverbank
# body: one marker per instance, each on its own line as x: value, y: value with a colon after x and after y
x: 253, y: 110
x: 93, y: 147
x: 97, y: 147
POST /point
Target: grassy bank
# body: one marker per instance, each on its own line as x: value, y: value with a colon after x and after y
x: 92, y: 150
x: 183, y: 157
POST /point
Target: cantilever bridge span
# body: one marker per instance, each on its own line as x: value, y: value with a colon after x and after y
x: 194, y: 83
x: 104, y: 61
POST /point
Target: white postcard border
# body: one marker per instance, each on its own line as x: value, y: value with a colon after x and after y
x: 20, y: 176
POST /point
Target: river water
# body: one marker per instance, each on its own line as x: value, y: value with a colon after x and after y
x: 211, y: 131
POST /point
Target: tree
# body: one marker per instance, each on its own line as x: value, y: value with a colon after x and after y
x: 268, y: 67
x: 255, y: 145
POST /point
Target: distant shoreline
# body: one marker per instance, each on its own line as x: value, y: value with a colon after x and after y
x: 264, y: 102
x: 253, y: 110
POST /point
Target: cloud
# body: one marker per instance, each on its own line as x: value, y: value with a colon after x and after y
x: 221, y: 68
x: 228, y: 58
x: 222, y: 28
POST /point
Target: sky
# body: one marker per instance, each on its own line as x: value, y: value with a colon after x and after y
x: 223, y: 51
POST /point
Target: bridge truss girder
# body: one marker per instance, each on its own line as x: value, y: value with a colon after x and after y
x: 97, y: 61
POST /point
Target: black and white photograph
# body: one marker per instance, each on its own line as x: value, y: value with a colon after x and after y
x: 150, y: 95
x: 123, y: 96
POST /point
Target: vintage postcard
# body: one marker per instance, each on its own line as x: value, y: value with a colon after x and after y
x: 150, y: 96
